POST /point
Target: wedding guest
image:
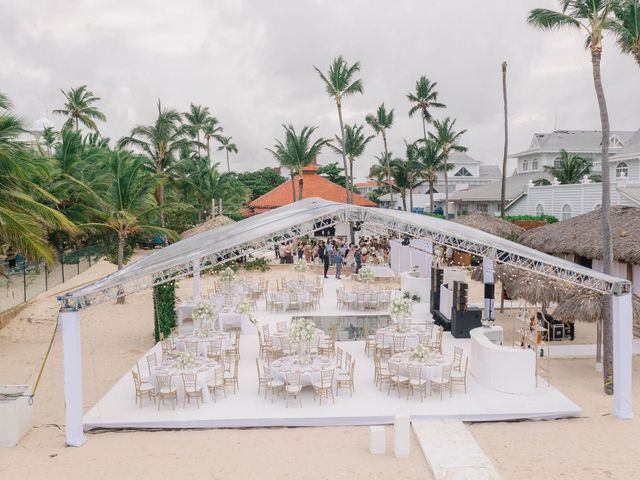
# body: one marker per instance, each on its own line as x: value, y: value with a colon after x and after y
x: 338, y: 259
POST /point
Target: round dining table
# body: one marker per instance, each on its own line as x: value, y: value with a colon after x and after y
x: 308, y: 373
x: 411, y: 338
x: 430, y: 369
x: 205, y: 370
x: 203, y: 342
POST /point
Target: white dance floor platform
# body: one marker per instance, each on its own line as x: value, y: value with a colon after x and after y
x: 368, y: 406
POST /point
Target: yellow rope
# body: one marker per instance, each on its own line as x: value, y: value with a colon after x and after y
x: 44, y: 360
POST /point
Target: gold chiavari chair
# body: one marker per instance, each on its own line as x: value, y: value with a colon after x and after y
x: 272, y: 384
x: 436, y: 344
x: 262, y: 379
x: 293, y: 388
x: 164, y: 389
x: 217, y: 383
x: 456, y: 365
x: 398, y: 343
x: 314, y: 346
x: 369, y: 340
x: 416, y: 382
x: 346, y: 380
x: 361, y: 300
x: 214, y: 349
x: 191, y: 389
x: 306, y: 301
x: 234, y: 348
x: 340, y: 298
x: 381, y: 349
x: 152, y: 361
x: 459, y: 377
x: 339, y: 357
x: 327, y: 346
x: 231, y: 376
x: 324, y: 387
x: 143, y: 389
x: 381, y: 372
x: 424, y: 338
x: 396, y: 380
x: 442, y: 382
x: 294, y: 302
x: 384, y: 300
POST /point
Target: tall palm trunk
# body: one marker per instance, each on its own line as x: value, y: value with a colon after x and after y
x: 228, y: 166
x: 607, y: 257
x: 503, y: 189
x: 159, y: 194
x: 445, y: 156
x: 344, y: 156
x: 351, y: 177
x: 209, y: 149
x: 293, y: 184
x: 424, y: 129
x: 198, y: 140
x: 77, y: 124
x: 431, y: 196
x: 403, y: 195
x: 386, y: 156
x: 300, y: 184
x: 121, y: 242
x: 411, y: 197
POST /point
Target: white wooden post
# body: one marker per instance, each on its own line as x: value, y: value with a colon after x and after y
x: 489, y: 287
x: 69, y: 321
x: 401, y: 436
x: 196, y: 280
x: 622, y: 355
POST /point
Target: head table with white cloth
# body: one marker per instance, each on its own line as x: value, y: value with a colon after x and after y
x: 432, y: 368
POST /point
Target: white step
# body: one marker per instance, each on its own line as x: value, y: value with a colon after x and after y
x: 452, y: 452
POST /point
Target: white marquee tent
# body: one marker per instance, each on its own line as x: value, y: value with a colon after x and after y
x: 205, y: 250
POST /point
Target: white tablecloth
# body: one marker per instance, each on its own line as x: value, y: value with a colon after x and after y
x: 206, y: 373
x: 308, y: 373
x: 283, y: 297
x: 368, y: 296
x: 235, y: 320
x: 429, y: 370
x: 381, y: 271
x: 277, y: 336
x: 203, y: 342
x: 183, y: 311
x: 410, y: 338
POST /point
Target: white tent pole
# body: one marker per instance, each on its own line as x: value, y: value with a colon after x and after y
x: 196, y: 279
x: 622, y: 355
x: 69, y: 321
x: 489, y: 287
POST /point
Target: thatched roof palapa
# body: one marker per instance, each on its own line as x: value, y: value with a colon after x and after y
x: 587, y: 306
x: 490, y: 224
x: 582, y: 235
x: 210, y: 224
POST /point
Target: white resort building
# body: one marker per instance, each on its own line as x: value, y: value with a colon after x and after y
x: 467, y: 173
x: 562, y: 201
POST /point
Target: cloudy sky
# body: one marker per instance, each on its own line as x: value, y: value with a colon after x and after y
x: 251, y: 62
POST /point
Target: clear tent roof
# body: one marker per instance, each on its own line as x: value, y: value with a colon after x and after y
x: 311, y: 214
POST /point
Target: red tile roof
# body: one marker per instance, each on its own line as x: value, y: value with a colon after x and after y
x: 314, y: 186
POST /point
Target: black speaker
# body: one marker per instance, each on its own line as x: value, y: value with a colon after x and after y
x: 437, y: 275
x: 463, y: 322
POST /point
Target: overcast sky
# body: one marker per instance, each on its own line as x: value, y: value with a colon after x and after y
x: 252, y: 63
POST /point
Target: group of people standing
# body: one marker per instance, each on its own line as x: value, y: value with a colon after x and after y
x: 336, y: 252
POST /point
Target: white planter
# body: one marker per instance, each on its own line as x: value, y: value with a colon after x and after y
x: 16, y: 414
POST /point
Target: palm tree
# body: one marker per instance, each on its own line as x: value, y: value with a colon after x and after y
x: 208, y: 184
x: 572, y: 168
x: 381, y: 171
x: 423, y: 100
x: 159, y: 143
x: 296, y: 152
x: 592, y: 17
x: 25, y: 217
x: 381, y: 122
x: 48, y: 138
x: 339, y: 83
x: 503, y: 186
x: 414, y: 169
x: 79, y: 108
x: 626, y: 27
x: 228, y: 146
x: 401, y: 173
x: 212, y: 130
x: 351, y: 145
x: 5, y: 103
x: 449, y: 141
x: 432, y: 160
x: 195, y: 121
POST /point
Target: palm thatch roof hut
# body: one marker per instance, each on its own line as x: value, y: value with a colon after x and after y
x: 491, y: 224
x: 582, y: 235
x: 213, y: 222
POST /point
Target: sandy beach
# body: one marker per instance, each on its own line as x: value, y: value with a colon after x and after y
x: 115, y: 336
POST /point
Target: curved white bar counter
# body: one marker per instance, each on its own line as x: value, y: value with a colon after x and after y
x: 420, y: 286
x: 508, y: 370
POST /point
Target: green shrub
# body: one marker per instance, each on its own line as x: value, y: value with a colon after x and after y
x: 546, y: 218
x: 164, y: 309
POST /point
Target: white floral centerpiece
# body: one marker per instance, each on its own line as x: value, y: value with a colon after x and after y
x: 401, y: 306
x: 302, y: 332
x: 203, y: 314
x: 245, y: 308
x: 420, y: 353
x: 366, y: 275
x: 186, y: 361
x: 227, y: 277
x: 301, y: 266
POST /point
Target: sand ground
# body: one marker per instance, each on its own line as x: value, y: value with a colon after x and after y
x: 115, y: 336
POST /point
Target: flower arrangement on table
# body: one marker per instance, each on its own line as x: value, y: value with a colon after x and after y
x: 301, y: 266
x: 401, y: 306
x: 302, y: 330
x: 203, y: 314
x: 227, y: 276
x: 245, y: 308
x: 420, y: 353
x: 186, y: 361
x: 365, y: 275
